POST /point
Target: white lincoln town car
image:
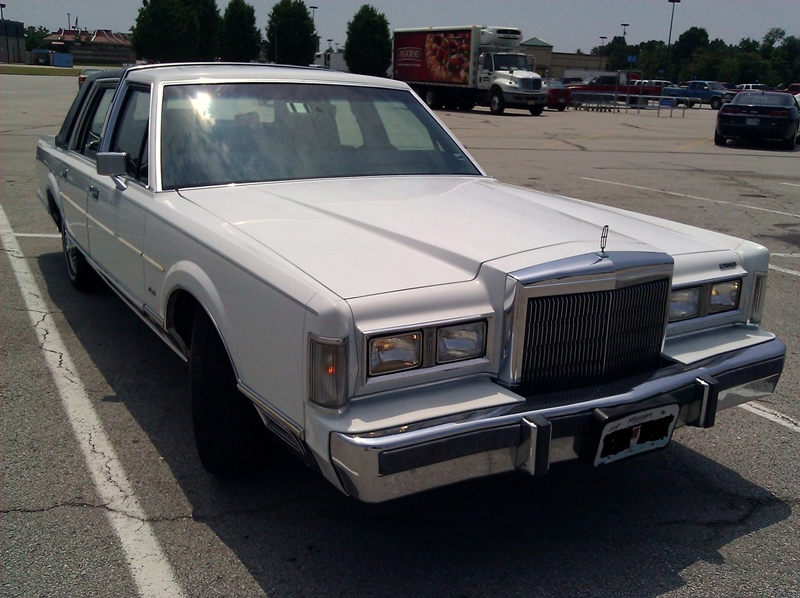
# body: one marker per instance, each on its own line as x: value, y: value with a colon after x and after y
x: 336, y: 268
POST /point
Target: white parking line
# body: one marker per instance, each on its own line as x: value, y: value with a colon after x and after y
x: 148, y: 564
x: 772, y: 415
x: 784, y: 270
x: 790, y: 184
x: 719, y: 201
x: 38, y: 235
x: 786, y: 254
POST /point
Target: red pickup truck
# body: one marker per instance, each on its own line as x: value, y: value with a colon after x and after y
x: 618, y: 83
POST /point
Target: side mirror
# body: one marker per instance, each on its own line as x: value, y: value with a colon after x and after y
x: 113, y: 164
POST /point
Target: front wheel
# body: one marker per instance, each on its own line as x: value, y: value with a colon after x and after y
x: 716, y: 103
x: 80, y: 273
x: 496, y: 103
x: 229, y: 434
x: 537, y: 110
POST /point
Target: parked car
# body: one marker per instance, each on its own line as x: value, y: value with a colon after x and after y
x: 752, y: 87
x: 558, y: 96
x: 794, y: 88
x: 652, y: 83
x: 760, y: 115
x: 85, y: 73
x: 336, y: 268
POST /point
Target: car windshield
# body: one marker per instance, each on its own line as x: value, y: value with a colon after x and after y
x: 762, y: 99
x: 506, y: 62
x: 554, y: 84
x: 215, y: 134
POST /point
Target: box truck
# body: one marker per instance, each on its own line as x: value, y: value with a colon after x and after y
x: 461, y: 67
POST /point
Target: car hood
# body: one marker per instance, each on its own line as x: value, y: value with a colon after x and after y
x: 376, y: 235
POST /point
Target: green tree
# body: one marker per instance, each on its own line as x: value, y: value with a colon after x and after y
x: 209, y: 26
x: 241, y: 39
x: 368, y: 49
x: 691, y: 43
x: 34, y: 37
x: 617, y: 52
x: 165, y: 31
x: 291, y: 38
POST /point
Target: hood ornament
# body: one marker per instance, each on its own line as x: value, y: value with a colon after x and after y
x: 603, y: 241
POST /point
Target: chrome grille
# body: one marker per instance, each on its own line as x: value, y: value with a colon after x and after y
x: 575, y: 340
x: 531, y: 84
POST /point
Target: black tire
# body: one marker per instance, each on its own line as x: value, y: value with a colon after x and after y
x: 562, y: 108
x: 719, y: 139
x: 80, y: 273
x: 431, y: 98
x: 497, y: 104
x: 716, y: 103
x: 537, y: 110
x: 791, y: 143
x: 230, y: 437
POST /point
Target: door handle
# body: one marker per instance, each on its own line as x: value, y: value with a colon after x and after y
x: 94, y: 192
x: 64, y: 173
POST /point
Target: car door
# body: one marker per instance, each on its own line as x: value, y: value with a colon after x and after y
x: 117, y: 206
x: 78, y: 164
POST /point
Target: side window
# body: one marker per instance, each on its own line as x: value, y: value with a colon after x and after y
x: 93, y: 125
x: 131, y: 133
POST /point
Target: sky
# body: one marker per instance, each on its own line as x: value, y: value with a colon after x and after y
x: 569, y: 25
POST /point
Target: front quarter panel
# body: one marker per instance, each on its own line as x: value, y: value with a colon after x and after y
x: 259, y: 310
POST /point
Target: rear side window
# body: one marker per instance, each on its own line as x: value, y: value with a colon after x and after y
x: 89, y: 140
x: 131, y: 133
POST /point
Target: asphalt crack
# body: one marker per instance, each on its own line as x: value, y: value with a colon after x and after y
x: 95, y: 506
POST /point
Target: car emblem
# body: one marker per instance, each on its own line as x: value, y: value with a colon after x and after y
x: 603, y: 241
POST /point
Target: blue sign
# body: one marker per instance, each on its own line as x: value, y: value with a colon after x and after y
x: 631, y: 58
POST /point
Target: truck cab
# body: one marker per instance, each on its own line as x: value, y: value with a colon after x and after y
x: 506, y: 75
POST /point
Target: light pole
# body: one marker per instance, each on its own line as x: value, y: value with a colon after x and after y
x: 624, y: 28
x: 669, y: 39
x: 314, y: 22
x: 2, y: 6
x: 603, y: 39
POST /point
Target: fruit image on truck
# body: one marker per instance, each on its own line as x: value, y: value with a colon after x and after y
x: 461, y: 67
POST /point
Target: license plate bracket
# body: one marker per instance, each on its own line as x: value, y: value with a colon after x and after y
x: 618, y: 434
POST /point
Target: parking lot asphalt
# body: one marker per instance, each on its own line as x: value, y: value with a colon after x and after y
x: 716, y: 514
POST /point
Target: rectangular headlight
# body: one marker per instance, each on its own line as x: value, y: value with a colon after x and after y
x: 329, y: 372
x: 724, y: 296
x: 396, y: 353
x: 460, y: 342
x: 684, y: 304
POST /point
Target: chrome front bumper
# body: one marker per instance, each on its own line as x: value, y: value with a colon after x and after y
x: 525, y: 99
x: 529, y: 435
